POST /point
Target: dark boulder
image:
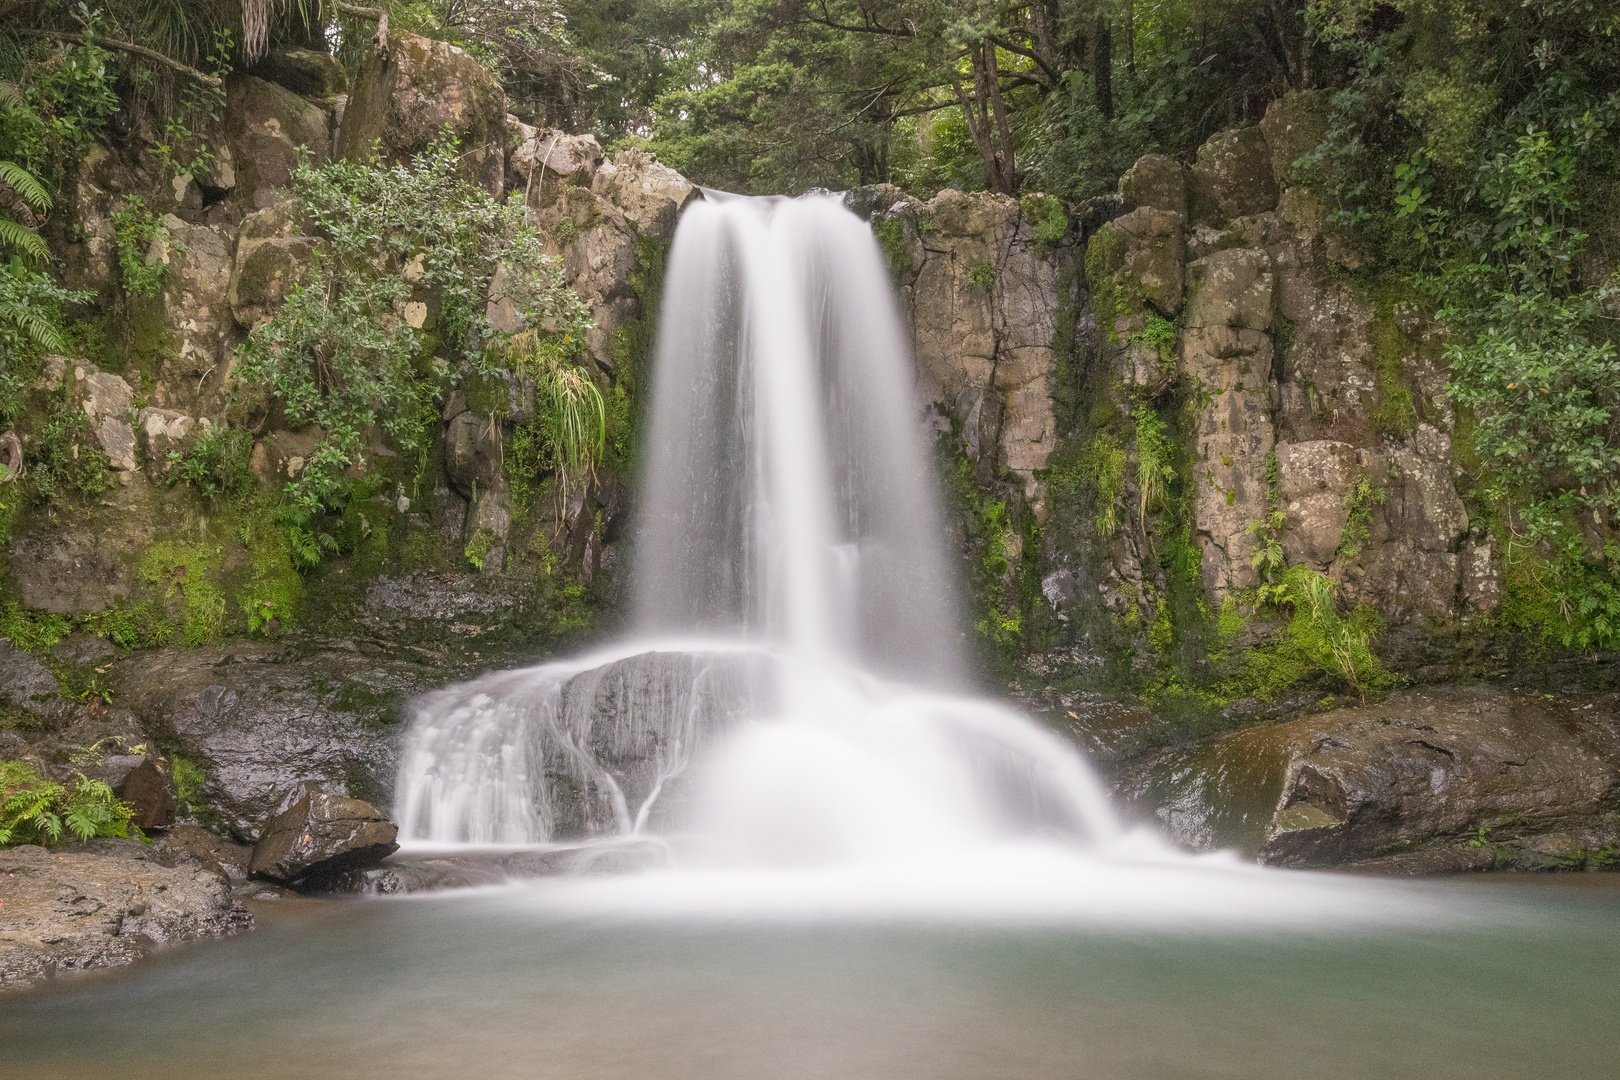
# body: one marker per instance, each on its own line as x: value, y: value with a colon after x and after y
x: 1456, y: 777
x: 147, y: 790
x: 267, y: 724
x: 322, y: 837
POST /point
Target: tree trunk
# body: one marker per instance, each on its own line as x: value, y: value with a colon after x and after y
x: 1102, y: 68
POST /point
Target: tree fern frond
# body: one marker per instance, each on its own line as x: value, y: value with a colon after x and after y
x: 25, y: 184
x: 26, y: 240
x: 35, y: 325
x: 11, y: 97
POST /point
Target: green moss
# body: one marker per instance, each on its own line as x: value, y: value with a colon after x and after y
x: 1104, y: 258
x: 273, y: 597
x: 1396, y: 412
x: 1048, y: 217
x: 32, y: 630
x: 1316, y: 641
x: 184, y: 577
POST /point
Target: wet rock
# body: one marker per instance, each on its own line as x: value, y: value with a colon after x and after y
x: 196, y: 313
x: 1427, y: 776
x: 264, y: 273
x: 69, y: 910
x: 268, y: 725
x: 147, y: 790
x: 1232, y: 177
x: 321, y: 837
x: 192, y: 845
x: 408, y: 94
x: 25, y: 682
x: 303, y: 71
x: 472, y: 456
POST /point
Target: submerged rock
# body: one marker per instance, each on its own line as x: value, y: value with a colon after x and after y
x: 71, y: 910
x: 1454, y: 777
x: 321, y: 837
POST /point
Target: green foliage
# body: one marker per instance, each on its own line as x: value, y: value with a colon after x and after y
x: 136, y: 230
x: 30, y: 324
x: 188, y: 780
x: 981, y: 274
x: 1267, y: 532
x: 36, y: 810
x: 1101, y: 466
x: 890, y: 231
x: 572, y: 416
x: 31, y: 630
x: 1160, y: 335
x: 1047, y: 215
x: 28, y: 199
x: 1155, y: 466
x: 65, y: 458
x: 1359, y: 503
x: 478, y: 548
x: 273, y: 597
x: 1317, y: 638
x: 218, y: 464
x: 337, y: 353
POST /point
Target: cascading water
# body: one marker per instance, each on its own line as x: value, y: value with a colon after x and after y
x: 790, y: 519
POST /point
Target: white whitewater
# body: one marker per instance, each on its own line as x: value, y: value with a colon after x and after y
x: 786, y: 729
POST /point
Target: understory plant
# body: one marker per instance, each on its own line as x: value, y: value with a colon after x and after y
x: 37, y: 810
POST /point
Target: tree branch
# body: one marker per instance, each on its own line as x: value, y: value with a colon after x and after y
x: 1051, y: 79
x: 124, y: 46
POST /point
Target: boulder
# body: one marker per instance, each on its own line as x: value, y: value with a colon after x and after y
x: 196, y: 314
x: 266, y: 125
x: 264, y: 272
x: 1294, y: 125
x: 472, y: 456
x: 147, y: 790
x: 107, y: 399
x: 544, y: 161
x: 1523, y: 779
x: 85, y: 559
x: 102, y: 905
x: 192, y: 845
x: 322, y: 837
x: 1155, y: 181
x: 267, y: 726
x: 408, y: 93
x: 1232, y: 177
x: 303, y: 71
x: 1135, y: 266
x: 161, y: 432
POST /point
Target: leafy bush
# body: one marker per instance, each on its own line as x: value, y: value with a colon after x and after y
x: 340, y: 355
x: 135, y: 230
x: 34, y: 810
x: 218, y: 464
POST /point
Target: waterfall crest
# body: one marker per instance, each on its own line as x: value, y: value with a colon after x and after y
x: 790, y: 694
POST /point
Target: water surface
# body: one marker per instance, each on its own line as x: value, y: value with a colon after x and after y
x: 1511, y: 980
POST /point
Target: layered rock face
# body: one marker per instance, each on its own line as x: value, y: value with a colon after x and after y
x: 1306, y: 380
x: 984, y: 301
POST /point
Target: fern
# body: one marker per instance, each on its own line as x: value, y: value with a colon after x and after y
x: 14, y: 234
x: 26, y: 185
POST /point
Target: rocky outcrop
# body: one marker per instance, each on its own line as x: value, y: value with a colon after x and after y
x: 64, y: 911
x: 413, y: 90
x: 268, y: 726
x: 1443, y: 778
x: 320, y: 838
x: 983, y: 298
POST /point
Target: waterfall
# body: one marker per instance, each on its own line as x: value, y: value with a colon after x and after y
x: 792, y: 691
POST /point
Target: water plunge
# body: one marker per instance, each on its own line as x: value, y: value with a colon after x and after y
x: 780, y: 701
